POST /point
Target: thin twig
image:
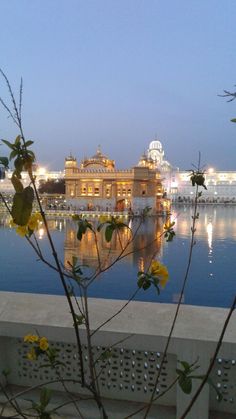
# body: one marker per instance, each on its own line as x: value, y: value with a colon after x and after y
x: 20, y: 97
x: 115, y: 314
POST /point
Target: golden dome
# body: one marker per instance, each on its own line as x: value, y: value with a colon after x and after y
x: 98, y: 159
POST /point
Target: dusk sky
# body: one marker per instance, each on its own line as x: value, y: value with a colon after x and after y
x: 119, y: 73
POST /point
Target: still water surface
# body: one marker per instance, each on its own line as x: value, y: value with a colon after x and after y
x: 212, y: 277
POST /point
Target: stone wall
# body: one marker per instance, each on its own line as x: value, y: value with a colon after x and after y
x: 138, y: 336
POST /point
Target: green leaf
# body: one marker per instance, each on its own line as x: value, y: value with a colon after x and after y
x: 143, y: 281
x: 185, y: 379
x: 9, y: 144
x: 22, y: 206
x: 19, y: 163
x: 140, y: 282
x: 4, y: 161
x: 233, y: 120
x: 146, y: 284
x: 29, y: 194
x: 28, y: 143
x: 79, y: 319
x: 80, y: 232
x: 83, y: 225
x: 198, y: 178
x: 185, y: 383
x: 16, y: 183
x: 45, y: 397
x: 186, y: 366
x: 106, y: 354
x: 31, y: 153
x: 17, y: 140
x: 109, y: 232
x: 169, y: 235
x: 13, y: 154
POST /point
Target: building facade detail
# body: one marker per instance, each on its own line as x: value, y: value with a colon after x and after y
x: 96, y: 184
x: 221, y: 187
x: 156, y: 153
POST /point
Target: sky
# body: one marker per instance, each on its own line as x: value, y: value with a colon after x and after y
x: 120, y: 73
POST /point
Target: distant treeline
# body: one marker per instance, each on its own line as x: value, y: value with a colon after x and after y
x: 52, y: 186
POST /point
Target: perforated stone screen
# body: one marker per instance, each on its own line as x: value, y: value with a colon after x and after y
x: 128, y: 374
x: 224, y: 377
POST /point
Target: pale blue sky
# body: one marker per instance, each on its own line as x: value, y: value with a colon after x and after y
x: 117, y: 72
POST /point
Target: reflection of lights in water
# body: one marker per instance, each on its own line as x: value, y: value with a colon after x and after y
x: 72, y: 234
x: 209, y: 229
x: 183, y: 227
x: 141, y: 264
x: 41, y: 232
x: 90, y: 236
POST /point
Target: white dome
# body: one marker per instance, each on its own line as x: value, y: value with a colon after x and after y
x: 155, y: 145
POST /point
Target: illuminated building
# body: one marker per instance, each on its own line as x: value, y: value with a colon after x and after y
x: 97, y: 185
x: 156, y: 153
x: 221, y: 185
x: 40, y: 173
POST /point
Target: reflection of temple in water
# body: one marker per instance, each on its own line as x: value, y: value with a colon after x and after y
x: 146, y: 244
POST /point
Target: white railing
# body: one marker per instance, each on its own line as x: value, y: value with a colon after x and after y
x: 138, y: 336
x: 88, y: 214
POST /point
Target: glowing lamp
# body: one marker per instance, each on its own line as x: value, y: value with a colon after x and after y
x: 41, y: 171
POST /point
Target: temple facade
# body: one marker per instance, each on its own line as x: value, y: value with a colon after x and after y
x: 97, y: 185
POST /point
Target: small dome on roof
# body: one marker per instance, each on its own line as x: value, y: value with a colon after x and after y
x: 70, y: 158
x: 98, y: 160
x: 155, y: 145
x: 99, y: 155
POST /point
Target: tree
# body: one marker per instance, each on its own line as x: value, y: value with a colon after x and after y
x: 52, y: 186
